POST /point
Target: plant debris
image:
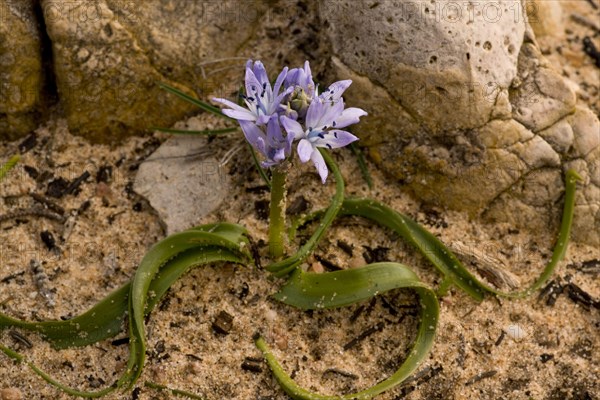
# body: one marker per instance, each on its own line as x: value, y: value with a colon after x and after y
x: 223, y: 323
x: 480, y: 377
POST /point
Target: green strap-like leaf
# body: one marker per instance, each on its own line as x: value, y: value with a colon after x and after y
x: 286, y: 266
x: 227, y: 236
x: 205, y: 106
x: 362, y: 164
x: 260, y: 169
x: 10, y: 164
x: 426, y: 243
x: 340, y: 288
x: 209, y: 132
x: 560, y: 247
x: 170, y: 258
x: 439, y: 255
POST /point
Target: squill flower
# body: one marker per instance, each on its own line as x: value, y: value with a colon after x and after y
x: 304, y: 89
x: 273, y: 145
x: 324, y: 118
x: 262, y: 100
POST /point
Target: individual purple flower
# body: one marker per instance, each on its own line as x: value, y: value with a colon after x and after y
x: 304, y: 89
x: 262, y: 100
x: 324, y: 118
x: 273, y: 146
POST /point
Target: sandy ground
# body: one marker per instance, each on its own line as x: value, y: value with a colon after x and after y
x: 525, y: 349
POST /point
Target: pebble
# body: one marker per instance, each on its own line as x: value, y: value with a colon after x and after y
x: 516, y: 332
x: 11, y: 394
x: 195, y: 368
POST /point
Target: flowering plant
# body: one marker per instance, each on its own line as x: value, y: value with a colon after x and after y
x: 274, y: 119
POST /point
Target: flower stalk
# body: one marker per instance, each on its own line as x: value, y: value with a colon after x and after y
x: 277, y: 236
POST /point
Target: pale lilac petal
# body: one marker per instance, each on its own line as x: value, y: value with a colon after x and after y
x: 335, y: 139
x: 279, y: 155
x: 348, y: 117
x: 254, y: 136
x: 274, y: 135
x: 263, y: 119
x: 279, y: 81
x: 331, y: 112
x: 282, y: 95
x: 307, y: 75
x: 240, y: 115
x: 291, y: 78
x: 320, y: 164
x: 335, y: 90
x: 314, y: 113
x: 229, y: 103
x: 289, y: 141
x: 260, y: 72
x: 305, y: 149
x: 253, y: 85
x: 293, y: 128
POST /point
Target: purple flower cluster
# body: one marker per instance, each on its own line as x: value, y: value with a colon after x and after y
x: 295, y: 106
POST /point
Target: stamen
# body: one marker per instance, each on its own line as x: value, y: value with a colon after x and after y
x: 329, y: 146
x: 333, y: 124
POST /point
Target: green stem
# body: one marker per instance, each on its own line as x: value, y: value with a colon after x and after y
x: 284, y: 267
x: 277, y: 235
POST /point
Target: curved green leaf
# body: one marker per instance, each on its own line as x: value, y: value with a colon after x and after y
x: 163, y: 264
x: 227, y: 236
x: 341, y: 288
x: 425, y: 242
x: 440, y: 256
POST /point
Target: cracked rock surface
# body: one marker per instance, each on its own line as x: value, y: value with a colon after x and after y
x: 466, y: 111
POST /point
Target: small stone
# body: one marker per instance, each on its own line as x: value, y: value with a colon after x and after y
x: 182, y: 182
x: 11, y: 394
x: 516, y: 332
x: 316, y: 267
x: 194, y: 368
x: 83, y: 55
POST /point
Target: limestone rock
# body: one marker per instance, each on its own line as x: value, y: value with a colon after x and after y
x: 20, y: 68
x: 541, y: 97
x: 444, y: 64
x: 545, y: 17
x: 110, y: 55
x: 182, y: 182
x: 465, y: 111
